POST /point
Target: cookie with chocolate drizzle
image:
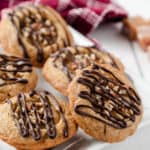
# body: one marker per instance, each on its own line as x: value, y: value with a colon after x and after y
x: 16, y: 74
x: 62, y: 66
x: 104, y: 103
x: 33, y: 31
x: 35, y: 120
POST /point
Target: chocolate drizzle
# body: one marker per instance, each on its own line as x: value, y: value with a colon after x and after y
x: 111, y: 101
x: 58, y: 57
x: 25, y: 53
x: 10, y: 66
x: 35, y: 27
x: 32, y: 116
x: 79, y: 58
x: 113, y: 62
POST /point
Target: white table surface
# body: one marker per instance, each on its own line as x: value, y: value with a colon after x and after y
x: 135, y: 61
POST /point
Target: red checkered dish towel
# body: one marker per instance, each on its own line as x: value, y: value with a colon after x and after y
x: 83, y: 15
x: 86, y: 15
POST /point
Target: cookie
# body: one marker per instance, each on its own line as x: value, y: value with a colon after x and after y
x: 138, y: 28
x: 60, y: 68
x: 104, y: 103
x: 130, y: 26
x: 33, y: 31
x: 16, y: 74
x: 35, y: 120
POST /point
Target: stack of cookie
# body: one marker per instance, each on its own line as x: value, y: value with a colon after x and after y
x: 102, y: 101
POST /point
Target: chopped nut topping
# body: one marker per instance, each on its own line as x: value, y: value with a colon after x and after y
x: 114, y: 108
x: 36, y: 112
x: 1, y: 81
x: 74, y: 58
x: 35, y: 26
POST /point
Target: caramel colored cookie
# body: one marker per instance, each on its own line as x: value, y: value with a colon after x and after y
x: 104, y: 103
x: 16, y: 74
x: 138, y: 28
x: 33, y: 31
x: 60, y: 68
x: 35, y: 121
x: 131, y: 25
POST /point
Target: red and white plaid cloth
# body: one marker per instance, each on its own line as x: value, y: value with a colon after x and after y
x: 83, y: 15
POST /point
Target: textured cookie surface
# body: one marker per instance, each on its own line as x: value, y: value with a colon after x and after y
x: 36, y: 120
x: 60, y: 68
x: 16, y: 74
x: 104, y: 103
x: 34, y: 32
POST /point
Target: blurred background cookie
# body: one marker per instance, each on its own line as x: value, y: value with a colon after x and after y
x: 60, y: 68
x: 35, y: 120
x: 16, y: 74
x: 34, y: 32
x: 104, y: 103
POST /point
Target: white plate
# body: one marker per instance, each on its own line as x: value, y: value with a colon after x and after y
x: 82, y: 141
